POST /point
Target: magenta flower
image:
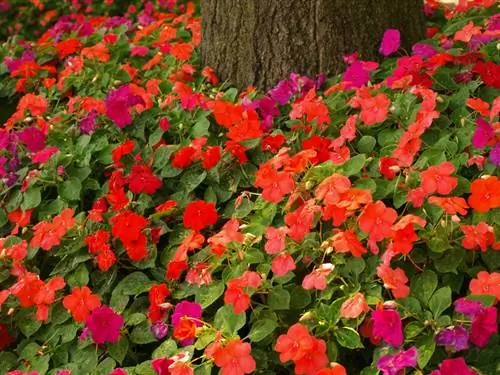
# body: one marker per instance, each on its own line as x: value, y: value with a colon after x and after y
x: 393, y: 364
x: 424, y: 50
x: 118, y: 103
x: 495, y: 154
x: 454, y: 338
x: 356, y: 75
x: 391, y: 41
x: 88, y: 123
x: 468, y: 307
x: 104, y: 325
x: 118, y: 371
x: 282, y: 92
x: 453, y: 366
x: 483, y: 135
x: 190, y: 310
x: 33, y: 138
x: 161, y: 365
x: 387, y: 325
x: 159, y: 330
x: 483, y: 326
x: 64, y: 372
x: 139, y: 51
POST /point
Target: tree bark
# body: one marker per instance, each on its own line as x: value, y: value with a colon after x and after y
x: 259, y: 42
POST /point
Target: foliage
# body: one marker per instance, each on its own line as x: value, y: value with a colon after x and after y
x: 155, y: 220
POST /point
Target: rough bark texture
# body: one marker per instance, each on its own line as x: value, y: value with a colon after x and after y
x: 259, y: 42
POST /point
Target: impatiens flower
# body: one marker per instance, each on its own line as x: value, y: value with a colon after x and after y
x: 234, y: 358
x: 334, y: 369
x: 478, y: 236
x: 484, y: 325
x: 485, y: 194
x: 118, y: 103
x: 81, y: 302
x: 317, y: 278
x: 118, y: 371
x: 486, y: 284
x: 390, y: 42
x: 5, y: 337
x: 104, y: 325
x: 159, y: 330
x: 161, y: 365
x: 454, y: 338
x: 395, y: 280
x: 142, y: 180
x: 377, y: 219
x: 275, y: 240
x: 483, y: 134
x: 468, y: 307
x: 438, y: 179
x: 393, y: 364
x: 282, y: 264
x: 33, y: 138
x: 495, y: 154
x: 157, y: 297
x: 186, y: 309
x: 88, y: 123
x: 387, y: 325
x: 354, y: 306
x: 275, y: 185
x: 454, y: 366
x: 199, y: 215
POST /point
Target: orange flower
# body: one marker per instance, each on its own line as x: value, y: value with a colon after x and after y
x: 182, y: 51
x: 37, y: 104
x: 81, y: 302
x: 334, y: 369
x: 486, y: 284
x: 437, y: 178
x: 450, y: 205
x: 395, y: 280
x: 354, y: 306
x: 20, y: 218
x: 485, y: 194
x: 479, y: 105
x: 331, y: 188
x: 480, y: 235
x: 99, y: 52
x: 185, y: 330
x: 377, y: 219
x: 234, y: 358
x: 347, y: 241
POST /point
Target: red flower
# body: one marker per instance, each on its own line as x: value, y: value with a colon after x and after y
x: 127, y: 226
x: 437, y: 178
x: 106, y: 259
x: 485, y: 194
x: 5, y: 337
x: 388, y: 167
x: 395, y: 280
x: 489, y: 72
x: 185, y: 330
x: 184, y: 157
x: 486, y: 284
x: 210, y: 157
x: 272, y: 143
x: 157, y: 296
x: 283, y: 264
x: 347, y: 241
x: 376, y: 219
x: 199, y: 215
x: 275, y: 184
x: 97, y: 240
x: 175, y: 269
x: 478, y: 236
x: 300, y: 221
x: 234, y: 358
x: 137, y: 249
x: 81, y: 302
x: 142, y: 180
x: 237, y: 297
x: 20, y: 218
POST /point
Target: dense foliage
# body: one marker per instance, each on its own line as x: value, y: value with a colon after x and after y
x: 156, y: 221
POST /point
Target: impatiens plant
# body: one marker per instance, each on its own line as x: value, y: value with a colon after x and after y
x: 154, y: 220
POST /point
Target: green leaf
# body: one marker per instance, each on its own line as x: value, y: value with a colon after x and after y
x: 166, y: 349
x: 206, y: 295
x: 413, y: 329
x: 425, y: 347
x: 27, y: 323
x: 261, y: 329
x: 8, y: 360
x: 279, y: 299
x: 133, y: 284
x: 200, y: 128
x: 440, y: 301
x: 141, y: 334
x: 70, y: 189
x: 32, y: 198
x: 191, y: 179
x: 354, y: 165
x: 228, y: 321
x: 145, y: 368
x: 106, y: 366
x: 366, y: 144
x: 348, y: 338
x: 424, y: 285
x: 118, y: 351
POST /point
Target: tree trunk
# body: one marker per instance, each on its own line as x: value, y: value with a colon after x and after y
x: 259, y: 42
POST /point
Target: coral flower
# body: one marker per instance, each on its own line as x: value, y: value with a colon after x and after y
x: 81, y: 302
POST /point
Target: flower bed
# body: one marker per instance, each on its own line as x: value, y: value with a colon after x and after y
x: 156, y: 221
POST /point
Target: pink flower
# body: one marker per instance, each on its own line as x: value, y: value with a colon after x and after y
x: 483, y: 135
x: 483, y: 326
x: 118, y: 103
x: 283, y: 264
x: 118, y: 371
x: 139, y: 51
x: 33, y: 138
x: 317, y: 278
x: 390, y: 42
x: 387, y: 325
x: 104, y: 325
x: 453, y: 367
x: 161, y: 365
x: 393, y: 364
